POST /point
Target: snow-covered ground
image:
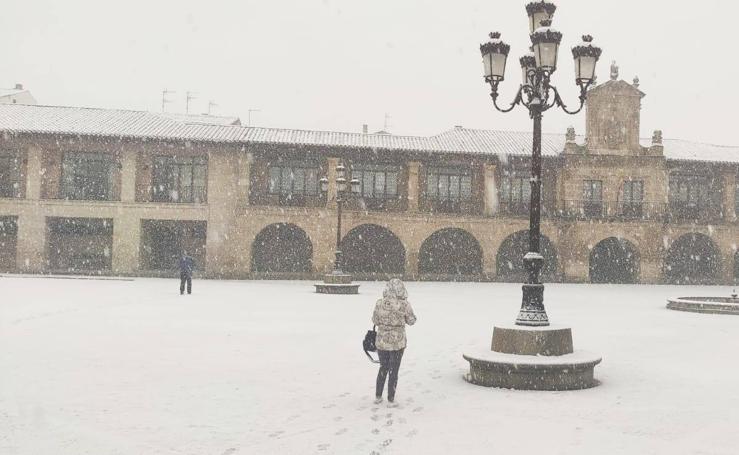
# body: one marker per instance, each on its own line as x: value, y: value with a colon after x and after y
x: 132, y: 367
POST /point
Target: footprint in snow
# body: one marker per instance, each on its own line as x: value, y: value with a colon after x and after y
x: 341, y: 431
x: 418, y: 409
x: 411, y: 433
x: 375, y: 431
x: 323, y: 447
x: 276, y: 434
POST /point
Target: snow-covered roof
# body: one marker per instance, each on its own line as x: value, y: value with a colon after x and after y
x: 203, y: 119
x: 10, y: 91
x: 16, y: 118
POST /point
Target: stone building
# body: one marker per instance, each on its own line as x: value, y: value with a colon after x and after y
x: 124, y: 192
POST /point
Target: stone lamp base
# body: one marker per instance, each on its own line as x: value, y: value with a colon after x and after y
x: 337, y: 283
x: 532, y: 358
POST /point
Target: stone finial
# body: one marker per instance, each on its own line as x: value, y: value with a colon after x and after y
x: 570, y: 136
x: 657, y: 137
x: 614, y: 71
x: 636, y: 82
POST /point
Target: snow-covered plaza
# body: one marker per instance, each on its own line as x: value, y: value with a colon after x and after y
x: 267, y: 367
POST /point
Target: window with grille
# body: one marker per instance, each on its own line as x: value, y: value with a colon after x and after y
x: 9, y: 174
x: 293, y: 181
x: 87, y: 176
x: 449, y: 184
x: 377, y: 181
x: 515, y: 194
x: 633, y: 196
x: 180, y: 179
x: 593, y: 198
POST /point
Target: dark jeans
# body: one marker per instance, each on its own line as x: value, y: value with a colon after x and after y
x: 389, y: 363
x: 185, y: 278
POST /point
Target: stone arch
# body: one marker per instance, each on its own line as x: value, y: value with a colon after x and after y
x: 509, y: 260
x: 373, y: 250
x: 614, y: 260
x: 450, y: 251
x: 692, y: 259
x: 282, y: 248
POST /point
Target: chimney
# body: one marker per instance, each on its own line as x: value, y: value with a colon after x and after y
x: 458, y: 127
x: 19, y: 86
x: 365, y: 129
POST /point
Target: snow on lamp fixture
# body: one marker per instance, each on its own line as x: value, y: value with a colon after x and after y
x: 545, y: 42
x: 528, y: 68
x: 538, y: 12
x: 494, y: 56
x: 586, y: 55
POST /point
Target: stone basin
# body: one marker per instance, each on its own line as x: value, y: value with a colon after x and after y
x: 710, y: 305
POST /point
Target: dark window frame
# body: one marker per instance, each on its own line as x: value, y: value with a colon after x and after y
x: 170, y: 182
x: 10, y: 167
x: 369, y: 173
x: 444, y: 180
x: 86, y: 176
x: 282, y: 180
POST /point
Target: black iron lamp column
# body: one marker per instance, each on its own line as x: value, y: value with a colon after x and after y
x: 538, y: 95
x: 343, y: 193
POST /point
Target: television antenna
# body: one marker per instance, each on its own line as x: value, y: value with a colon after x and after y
x: 166, y: 100
x: 189, y: 96
x: 248, y: 116
x: 211, y: 104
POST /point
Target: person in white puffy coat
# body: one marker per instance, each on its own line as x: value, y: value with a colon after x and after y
x: 392, y: 313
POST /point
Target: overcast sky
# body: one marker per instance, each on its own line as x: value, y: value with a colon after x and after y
x: 336, y: 64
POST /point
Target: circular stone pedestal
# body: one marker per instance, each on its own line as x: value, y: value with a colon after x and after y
x: 712, y: 305
x: 532, y: 358
x: 337, y: 283
x: 527, y: 372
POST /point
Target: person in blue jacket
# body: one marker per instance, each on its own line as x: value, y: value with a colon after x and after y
x: 187, y: 264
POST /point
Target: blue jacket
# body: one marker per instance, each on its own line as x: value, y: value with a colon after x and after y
x: 187, y: 264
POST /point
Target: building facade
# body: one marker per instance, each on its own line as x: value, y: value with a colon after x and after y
x: 125, y: 192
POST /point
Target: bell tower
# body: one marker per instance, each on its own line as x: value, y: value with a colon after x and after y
x: 612, y: 116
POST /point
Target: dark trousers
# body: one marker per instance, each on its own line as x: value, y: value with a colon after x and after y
x: 185, y: 278
x: 389, y: 363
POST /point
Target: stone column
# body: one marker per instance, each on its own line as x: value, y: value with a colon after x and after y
x: 126, y: 244
x: 223, y: 190
x: 413, y: 185
x: 730, y: 197
x: 491, y: 190
x: 331, y: 176
x: 31, y: 241
x: 650, y: 270
x: 243, y: 175
x: 128, y: 160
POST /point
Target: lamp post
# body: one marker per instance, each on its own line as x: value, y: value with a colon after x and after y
x: 338, y: 282
x: 538, y: 95
x: 532, y: 354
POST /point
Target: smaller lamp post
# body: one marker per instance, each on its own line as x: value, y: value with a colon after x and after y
x: 338, y: 282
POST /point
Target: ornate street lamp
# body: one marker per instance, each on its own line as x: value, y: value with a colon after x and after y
x: 538, y: 95
x: 532, y: 354
x: 338, y: 282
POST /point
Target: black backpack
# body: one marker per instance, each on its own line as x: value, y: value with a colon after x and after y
x: 369, y: 344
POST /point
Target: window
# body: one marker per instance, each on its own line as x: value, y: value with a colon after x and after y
x: 86, y: 176
x: 515, y: 194
x: 688, y: 193
x: 449, y: 184
x: 633, y: 198
x: 293, y: 182
x: 377, y: 181
x: 9, y: 175
x: 180, y: 179
x: 593, y: 198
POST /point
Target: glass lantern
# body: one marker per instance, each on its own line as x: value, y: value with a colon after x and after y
x: 538, y: 12
x: 494, y: 56
x: 545, y: 43
x: 586, y: 55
